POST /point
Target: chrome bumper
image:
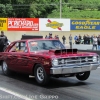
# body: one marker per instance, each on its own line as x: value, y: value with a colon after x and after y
x: 73, y: 69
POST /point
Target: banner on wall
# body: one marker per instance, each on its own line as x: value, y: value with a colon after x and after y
x: 85, y: 24
x: 3, y: 24
x: 23, y: 24
x: 51, y: 24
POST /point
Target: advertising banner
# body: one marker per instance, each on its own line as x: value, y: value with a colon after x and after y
x: 3, y: 24
x: 85, y: 24
x: 54, y: 24
x: 23, y: 24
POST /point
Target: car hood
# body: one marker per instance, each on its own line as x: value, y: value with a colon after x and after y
x: 57, y: 54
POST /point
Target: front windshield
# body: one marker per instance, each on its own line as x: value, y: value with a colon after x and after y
x: 45, y: 45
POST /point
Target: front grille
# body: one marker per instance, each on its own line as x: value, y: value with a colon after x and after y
x: 83, y: 59
x: 77, y: 60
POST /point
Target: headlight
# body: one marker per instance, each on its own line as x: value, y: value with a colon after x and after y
x: 95, y: 59
x: 55, y: 62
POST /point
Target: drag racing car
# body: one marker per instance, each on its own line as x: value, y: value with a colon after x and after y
x: 45, y: 58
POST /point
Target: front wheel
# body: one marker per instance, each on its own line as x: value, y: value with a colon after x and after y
x: 83, y: 76
x: 41, y: 76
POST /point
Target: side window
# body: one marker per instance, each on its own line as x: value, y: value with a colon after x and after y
x: 33, y: 46
x: 19, y: 47
x: 23, y: 47
x: 15, y: 47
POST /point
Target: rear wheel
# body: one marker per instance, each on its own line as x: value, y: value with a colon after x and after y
x: 83, y: 76
x: 5, y: 68
x: 41, y: 76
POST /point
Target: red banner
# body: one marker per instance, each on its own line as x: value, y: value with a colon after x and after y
x: 23, y: 24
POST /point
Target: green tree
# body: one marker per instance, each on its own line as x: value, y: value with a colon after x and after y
x: 20, y: 8
x: 2, y: 10
x: 41, y: 8
x: 50, y: 8
x: 9, y: 11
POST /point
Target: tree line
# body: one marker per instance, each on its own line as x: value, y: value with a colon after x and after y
x: 50, y: 8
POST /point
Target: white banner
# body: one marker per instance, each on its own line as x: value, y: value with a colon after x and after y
x: 54, y: 24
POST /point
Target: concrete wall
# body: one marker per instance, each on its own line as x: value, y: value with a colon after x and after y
x: 16, y: 35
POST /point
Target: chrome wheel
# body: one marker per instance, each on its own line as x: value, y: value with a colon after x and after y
x: 40, y: 73
x: 41, y: 76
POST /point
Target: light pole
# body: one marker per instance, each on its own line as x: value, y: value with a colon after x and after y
x: 60, y: 8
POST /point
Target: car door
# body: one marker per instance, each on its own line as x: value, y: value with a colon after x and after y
x: 12, y: 57
x: 18, y: 58
x: 22, y: 58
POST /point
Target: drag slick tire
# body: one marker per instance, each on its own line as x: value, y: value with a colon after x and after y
x: 41, y: 76
x: 83, y: 76
x: 5, y: 69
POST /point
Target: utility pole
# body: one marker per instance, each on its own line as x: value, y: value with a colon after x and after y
x: 60, y: 8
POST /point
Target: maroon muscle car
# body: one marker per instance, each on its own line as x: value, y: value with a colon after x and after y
x: 45, y: 58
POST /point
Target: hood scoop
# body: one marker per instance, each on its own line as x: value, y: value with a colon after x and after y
x: 64, y: 51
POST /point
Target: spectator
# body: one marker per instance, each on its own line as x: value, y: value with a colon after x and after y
x: 80, y: 37
x: 99, y: 42
x: 88, y: 39
x: 84, y: 38
x: 76, y: 38
x: 50, y: 36
x: 57, y: 37
x: 94, y: 43
x: 77, y: 41
x: 70, y: 41
x: 91, y: 39
x: 3, y: 41
x: 64, y: 39
x: 46, y: 37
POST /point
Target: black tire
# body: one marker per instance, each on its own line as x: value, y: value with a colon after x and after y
x: 83, y: 76
x: 41, y: 77
x: 6, y: 71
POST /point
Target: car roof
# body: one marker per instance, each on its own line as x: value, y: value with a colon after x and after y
x: 27, y: 40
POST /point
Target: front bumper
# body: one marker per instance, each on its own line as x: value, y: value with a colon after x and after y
x: 73, y: 69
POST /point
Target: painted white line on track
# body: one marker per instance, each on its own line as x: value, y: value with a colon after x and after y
x: 98, y: 67
x: 15, y: 95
